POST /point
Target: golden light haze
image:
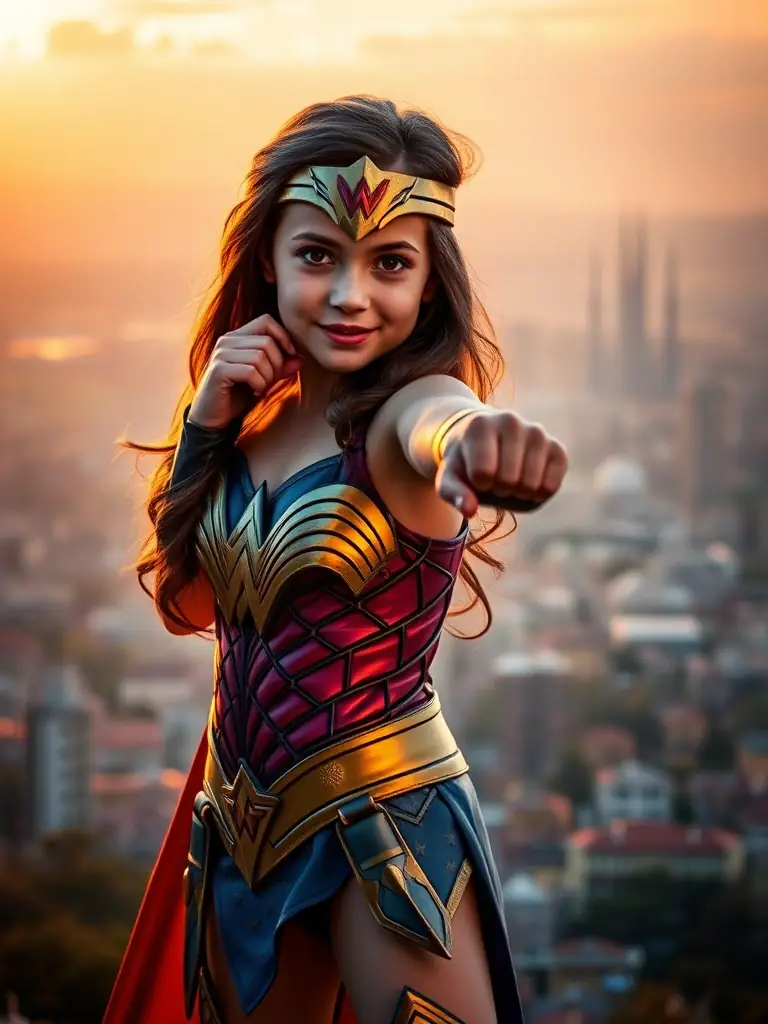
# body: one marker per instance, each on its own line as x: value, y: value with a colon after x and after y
x: 577, y: 105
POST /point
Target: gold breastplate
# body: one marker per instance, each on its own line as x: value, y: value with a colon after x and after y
x: 335, y: 527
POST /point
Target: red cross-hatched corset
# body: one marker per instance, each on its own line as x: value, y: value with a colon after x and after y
x: 330, y: 662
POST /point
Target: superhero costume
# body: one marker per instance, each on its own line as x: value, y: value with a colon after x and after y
x: 326, y: 755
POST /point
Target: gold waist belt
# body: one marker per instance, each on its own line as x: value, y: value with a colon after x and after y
x: 259, y: 827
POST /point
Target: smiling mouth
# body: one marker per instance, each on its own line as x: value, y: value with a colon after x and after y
x: 347, y: 334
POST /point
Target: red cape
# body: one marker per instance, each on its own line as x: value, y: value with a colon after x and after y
x: 149, y: 987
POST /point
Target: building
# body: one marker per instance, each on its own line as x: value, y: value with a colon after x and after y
x: 58, y: 753
x: 620, y: 487
x: 534, y: 816
x: 670, y: 353
x: 535, y: 718
x: 752, y: 760
x: 634, y: 355
x: 705, y: 454
x: 632, y: 792
x: 714, y: 796
x: 132, y: 745
x: 178, y: 697
x: 530, y: 914
x: 636, y: 371
x: 684, y: 729
x: 677, y: 636
x: 752, y: 530
x: 753, y: 825
x: 582, y: 978
x: 599, y: 369
x: 602, y: 746
x: 594, y: 965
x: 131, y: 811
x: 599, y: 858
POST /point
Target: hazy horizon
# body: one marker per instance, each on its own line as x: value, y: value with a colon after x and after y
x: 583, y: 112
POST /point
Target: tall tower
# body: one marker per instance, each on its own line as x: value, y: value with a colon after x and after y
x: 597, y: 368
x: 58, y: 752
x: 670, y: 383
x: 705, y: 452
x: 633, y: 342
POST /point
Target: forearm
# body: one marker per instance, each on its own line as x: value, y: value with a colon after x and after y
x: 199, y: 447
x: 199, y: 450
x: 425, y: 427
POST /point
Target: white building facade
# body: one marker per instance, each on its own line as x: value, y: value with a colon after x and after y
x: 632, y: 791
x: 58, y: 751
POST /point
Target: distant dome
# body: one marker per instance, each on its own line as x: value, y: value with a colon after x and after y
x: 617, y: 475
x: 521, y: 888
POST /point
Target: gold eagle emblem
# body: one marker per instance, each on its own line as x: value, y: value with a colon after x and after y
x: 336, y: 527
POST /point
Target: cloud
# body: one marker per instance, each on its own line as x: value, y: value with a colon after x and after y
x: 86, y: 39
x: 186, y: 8
x: 554, y: 13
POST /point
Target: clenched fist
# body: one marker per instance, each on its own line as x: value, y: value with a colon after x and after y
x: 252, y: 358
x: 496, y: 458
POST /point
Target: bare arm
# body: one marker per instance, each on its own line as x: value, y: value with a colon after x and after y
x: 424, y: 413
x: 434, y: 445
x: 400, y: 449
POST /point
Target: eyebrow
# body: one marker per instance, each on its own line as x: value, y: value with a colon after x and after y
x: 312, y: 236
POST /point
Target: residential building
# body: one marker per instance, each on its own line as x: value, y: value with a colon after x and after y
x: 602, y: 746
x: 535, y: 714
x: 752, y: 760
x: 530, y: 914
x: 684, y: 729
x: 58, y: 753
x: 599, y: 858
x: 632, y: 791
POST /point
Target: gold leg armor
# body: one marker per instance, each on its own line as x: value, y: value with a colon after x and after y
x: 414, y: 1008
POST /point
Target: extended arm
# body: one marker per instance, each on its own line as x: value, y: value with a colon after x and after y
x: 469, y: 452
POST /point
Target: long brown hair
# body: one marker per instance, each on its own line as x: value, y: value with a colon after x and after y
x: 453, y: 335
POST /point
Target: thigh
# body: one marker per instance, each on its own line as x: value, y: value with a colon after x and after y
x: 376, y: 964
x: 305, y: 988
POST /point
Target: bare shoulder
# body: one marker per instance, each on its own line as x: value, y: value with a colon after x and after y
x: 411, y: 498
x: 436, y: 385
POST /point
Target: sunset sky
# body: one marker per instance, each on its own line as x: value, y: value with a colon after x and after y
x: 25, y: 24
x: 579, y: 106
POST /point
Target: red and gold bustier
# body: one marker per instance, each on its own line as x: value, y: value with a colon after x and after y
x: 328, y: 615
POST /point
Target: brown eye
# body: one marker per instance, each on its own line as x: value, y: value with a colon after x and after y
x: 392, y: 264
x: 313, y: 257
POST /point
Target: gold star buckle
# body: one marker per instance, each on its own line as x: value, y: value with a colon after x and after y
x: 249, y: 812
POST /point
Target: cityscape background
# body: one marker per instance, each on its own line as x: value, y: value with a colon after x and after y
x: 615, y: 717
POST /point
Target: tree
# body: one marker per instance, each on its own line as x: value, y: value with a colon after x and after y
x: 682, y: 809
x: 653, y: 1004
x: 716, y: 753
x: 64, y: 924
x: 573, y: 779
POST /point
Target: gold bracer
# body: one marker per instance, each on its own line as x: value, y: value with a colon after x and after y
x: 361, y: 198
x: 439, y: 442
x: 260, y: 827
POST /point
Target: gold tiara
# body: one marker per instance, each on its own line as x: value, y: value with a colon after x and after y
x: 361, y: 198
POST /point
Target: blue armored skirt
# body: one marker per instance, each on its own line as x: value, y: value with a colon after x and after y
x: 442, y: 827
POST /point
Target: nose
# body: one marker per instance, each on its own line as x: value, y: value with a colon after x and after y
x: 349, y: 293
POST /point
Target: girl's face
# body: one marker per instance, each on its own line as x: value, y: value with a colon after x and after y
x: 346, y: 303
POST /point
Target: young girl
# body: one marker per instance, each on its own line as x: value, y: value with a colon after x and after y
x: 313, y: 506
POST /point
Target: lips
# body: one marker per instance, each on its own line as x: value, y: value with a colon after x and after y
x: 347, y: 334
